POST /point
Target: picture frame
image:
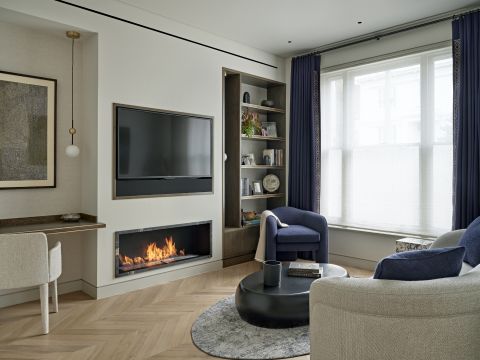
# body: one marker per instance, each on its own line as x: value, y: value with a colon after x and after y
x: 248, y: 159
x: 27, y: 139
x: 269, y: 128
x: 257, y: 187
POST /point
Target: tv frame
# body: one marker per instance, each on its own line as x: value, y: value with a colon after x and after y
x: 115, y: 196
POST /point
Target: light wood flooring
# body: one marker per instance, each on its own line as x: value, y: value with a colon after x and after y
x: 148, y: 324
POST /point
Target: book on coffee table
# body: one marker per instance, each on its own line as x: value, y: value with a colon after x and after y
x: 305, y: 270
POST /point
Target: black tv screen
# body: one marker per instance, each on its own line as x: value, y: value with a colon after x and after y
x: 153, y: 144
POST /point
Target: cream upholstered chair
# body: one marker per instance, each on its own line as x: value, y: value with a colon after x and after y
x: 26, y: 261
x: 358, y: 319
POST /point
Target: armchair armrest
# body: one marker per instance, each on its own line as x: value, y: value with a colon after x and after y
x: 55, y: 262
x: 271, y: 238
x: 448, y: 239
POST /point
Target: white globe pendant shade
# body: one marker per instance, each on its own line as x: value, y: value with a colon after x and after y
x: 72, y: 151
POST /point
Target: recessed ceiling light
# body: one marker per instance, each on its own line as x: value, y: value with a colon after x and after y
x: 289, y: 41
x: 359, y: 22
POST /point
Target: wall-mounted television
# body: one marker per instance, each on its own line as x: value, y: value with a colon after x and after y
x: 161, y: 152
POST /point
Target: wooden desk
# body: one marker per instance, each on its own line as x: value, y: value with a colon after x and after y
x: 51, y: 224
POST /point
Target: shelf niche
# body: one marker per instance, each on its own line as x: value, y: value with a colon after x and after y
x: 237, y: 242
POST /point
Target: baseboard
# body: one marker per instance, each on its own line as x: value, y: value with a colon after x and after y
x: 20, y: 296
x: 352, y: 261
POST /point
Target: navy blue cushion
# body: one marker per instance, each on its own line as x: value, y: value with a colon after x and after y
x: 421, y: 264
x: 297, y: 234
x: 471, y: 241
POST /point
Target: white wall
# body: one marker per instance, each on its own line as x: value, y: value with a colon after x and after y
x: 46, y: 54
x: 140, y: 67
x: 358, y: 248
x: 41, y: 54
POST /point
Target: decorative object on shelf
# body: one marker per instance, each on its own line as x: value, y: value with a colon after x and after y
x: 250, y: 218
x: 271, y: 272
x: 27, y: 136
x: 257, y: 187
x: 270, y: 128
x: 249, y: 215
x: 279, y: 157
x: 271, y: 183
x: 409, y: 244
x: 244, y: 187
x: 250, y: 123
x: 248, y: 159
x: 246, y: 97
x: 70, y: 217
x: 269, y: 157
x: 268, y: 103
x: 72, y: 150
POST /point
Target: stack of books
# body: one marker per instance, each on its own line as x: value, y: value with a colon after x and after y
x: 300, y: 269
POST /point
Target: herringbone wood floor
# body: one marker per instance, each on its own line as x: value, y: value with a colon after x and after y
x: 148, y: 324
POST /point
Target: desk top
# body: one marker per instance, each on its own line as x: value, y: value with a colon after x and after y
x: 51, y: 224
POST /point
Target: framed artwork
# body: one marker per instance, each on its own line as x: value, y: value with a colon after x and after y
x: 27, y: 131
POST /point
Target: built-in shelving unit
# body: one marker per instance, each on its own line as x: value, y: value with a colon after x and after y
x: 240, y: 241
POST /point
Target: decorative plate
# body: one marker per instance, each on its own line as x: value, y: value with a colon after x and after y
x: 271, y: 183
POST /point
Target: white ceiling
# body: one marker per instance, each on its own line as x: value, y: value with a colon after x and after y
x: 269, y: 24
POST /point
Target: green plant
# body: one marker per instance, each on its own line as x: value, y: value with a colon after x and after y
x: 250, y: 124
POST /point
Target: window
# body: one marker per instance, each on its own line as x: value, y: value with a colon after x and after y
x: 387, y: 144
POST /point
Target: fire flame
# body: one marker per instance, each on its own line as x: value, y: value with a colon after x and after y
x: 153, y: 253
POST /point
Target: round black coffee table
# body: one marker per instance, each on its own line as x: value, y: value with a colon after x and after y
x: 278, y: 307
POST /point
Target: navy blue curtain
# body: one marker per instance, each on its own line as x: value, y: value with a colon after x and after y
x: 466, y: 119
x: 304, y: 165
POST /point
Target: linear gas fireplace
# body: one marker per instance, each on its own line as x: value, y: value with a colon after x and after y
x: 152, y: 248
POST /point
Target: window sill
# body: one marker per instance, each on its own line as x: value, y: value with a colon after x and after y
x: 383, y: 232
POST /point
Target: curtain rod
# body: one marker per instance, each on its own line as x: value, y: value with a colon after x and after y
x: 393, y: 31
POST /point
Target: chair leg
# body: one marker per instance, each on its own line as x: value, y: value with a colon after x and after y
x: 55, y: 296
x: 44, y: 307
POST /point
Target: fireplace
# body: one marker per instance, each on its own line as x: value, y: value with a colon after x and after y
x: 152, y: 248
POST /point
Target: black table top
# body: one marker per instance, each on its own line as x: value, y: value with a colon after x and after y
x: 289, y: 285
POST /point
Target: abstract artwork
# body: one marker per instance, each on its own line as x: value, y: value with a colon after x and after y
x: 27, y: 131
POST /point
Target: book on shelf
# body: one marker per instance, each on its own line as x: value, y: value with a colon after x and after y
x: 251, y: 222
x: 279, y: 157
x: 299, y: 269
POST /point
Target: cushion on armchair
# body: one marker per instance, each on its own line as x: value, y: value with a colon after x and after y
x: 297, y: 234
x: 471, y: 241
x: 421, y: 264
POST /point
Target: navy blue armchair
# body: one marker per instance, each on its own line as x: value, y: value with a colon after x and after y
x: 307, y: 233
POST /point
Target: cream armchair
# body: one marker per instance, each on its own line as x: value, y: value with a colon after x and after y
x: 25, y: 261
x: 367, y: 319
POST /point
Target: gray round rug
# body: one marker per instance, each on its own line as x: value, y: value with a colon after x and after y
x: 220, y: 332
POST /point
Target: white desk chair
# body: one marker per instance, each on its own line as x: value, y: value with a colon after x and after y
x: 26, y: 261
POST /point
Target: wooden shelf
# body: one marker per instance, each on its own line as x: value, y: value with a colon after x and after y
x: 263, y: 109
x: 48, y: 225
x: 262, y: 138
x: 264, y: 196
x: 262, y: 167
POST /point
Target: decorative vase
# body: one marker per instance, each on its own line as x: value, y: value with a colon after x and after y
x: 271, y: 272
x: 246, y: 97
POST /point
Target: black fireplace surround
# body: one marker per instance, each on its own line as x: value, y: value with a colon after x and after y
x: 153, y: 248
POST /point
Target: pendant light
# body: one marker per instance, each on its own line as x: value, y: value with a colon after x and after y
x: 72, y: 150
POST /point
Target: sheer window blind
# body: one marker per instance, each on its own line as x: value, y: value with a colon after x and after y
x: 387, y: 144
